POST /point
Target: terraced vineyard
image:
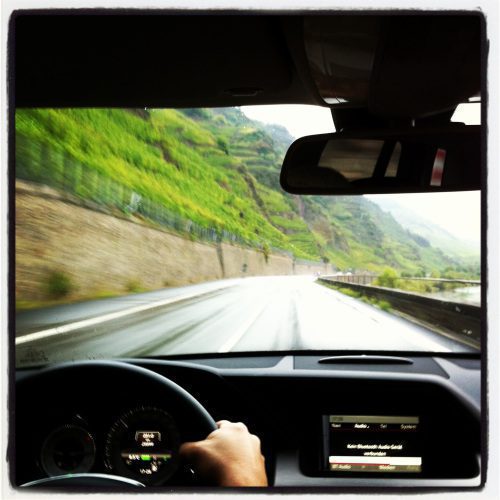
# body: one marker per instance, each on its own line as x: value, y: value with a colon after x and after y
x: 219, y: 170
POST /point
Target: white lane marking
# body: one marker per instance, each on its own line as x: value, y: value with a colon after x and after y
x: 229, y: 344
x: 108, y: 317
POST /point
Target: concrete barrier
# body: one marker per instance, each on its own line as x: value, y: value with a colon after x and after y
x: 454, y: 319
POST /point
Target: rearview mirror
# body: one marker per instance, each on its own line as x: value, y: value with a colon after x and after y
x: 371, y: 162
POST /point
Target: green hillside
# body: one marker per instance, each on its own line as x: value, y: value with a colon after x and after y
x: 219, y: 169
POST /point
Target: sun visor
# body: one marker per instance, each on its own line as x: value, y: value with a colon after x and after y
x: 398, y: 65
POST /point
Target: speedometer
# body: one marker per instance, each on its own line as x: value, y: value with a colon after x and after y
x: 143, y: 444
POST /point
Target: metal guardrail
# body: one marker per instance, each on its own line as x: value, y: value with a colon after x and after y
x: 367, y: 279
x: 443, y: 280
x: 358, y: 279
x: 454, y: 319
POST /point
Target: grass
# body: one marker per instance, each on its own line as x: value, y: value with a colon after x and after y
x: 380, y: 304
x: 24, y: 305
x: 134, y: 286
x: 169, y: 159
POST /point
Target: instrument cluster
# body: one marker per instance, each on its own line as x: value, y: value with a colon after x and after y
x: 141, y: 444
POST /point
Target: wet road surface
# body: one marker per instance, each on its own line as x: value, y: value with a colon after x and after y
x: 249, y: 314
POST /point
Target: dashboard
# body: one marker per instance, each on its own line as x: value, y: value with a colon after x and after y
x: 338, y: 421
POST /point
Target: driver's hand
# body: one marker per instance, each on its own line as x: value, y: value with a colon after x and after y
x: 229, y: 456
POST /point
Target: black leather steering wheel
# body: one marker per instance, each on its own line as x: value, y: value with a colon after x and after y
x: 96, y: 381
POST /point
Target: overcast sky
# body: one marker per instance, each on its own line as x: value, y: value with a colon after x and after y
x: 458, y: 213
x: 299, y: 119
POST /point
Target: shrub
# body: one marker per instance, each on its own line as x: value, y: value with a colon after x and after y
x: 384, y: 305
x: 266, y: 251
x: 133, y: 286
x: 350, y: 292
x: 59, y: 285
x: 387, y: 278
x: 222, y: 144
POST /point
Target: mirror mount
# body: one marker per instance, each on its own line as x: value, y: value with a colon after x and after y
x: 350, y: 119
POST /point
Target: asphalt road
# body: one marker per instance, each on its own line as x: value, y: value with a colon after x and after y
x: 250, y: 314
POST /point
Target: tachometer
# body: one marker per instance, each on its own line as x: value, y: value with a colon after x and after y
x: 69, y: 449
x: 143, y: 444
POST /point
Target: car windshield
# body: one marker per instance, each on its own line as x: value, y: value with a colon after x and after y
x: 161, y: 232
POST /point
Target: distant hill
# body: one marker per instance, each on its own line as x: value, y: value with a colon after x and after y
x: 220, y: 169
x: 435, y: 234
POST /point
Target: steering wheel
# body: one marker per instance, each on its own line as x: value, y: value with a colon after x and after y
x: 98, y: 382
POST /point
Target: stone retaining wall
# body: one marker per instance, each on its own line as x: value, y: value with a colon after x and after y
x: 103, y: 252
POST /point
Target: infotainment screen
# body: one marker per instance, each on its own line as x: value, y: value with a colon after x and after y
x: 369, y: 443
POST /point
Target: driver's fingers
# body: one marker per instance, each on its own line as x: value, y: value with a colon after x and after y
x: 220, y: 423
x: 227, y: 423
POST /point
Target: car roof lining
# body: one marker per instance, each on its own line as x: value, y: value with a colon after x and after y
x: 153, y: 61
x: 137, y: 59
